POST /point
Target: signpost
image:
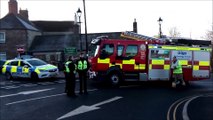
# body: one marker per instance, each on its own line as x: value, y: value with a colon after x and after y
x: 70, y: 50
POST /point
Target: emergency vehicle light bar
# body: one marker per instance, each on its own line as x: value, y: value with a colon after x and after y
x: 98, y: 39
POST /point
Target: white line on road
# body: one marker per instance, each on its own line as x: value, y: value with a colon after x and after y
x: 184, y: 112
x: 38, y: 98
x: 84, y: 108
x: 10, y: 87
x: 175, y: 104
x: 26, y: 92
x: 29, y: 85
x: 185, y: 107
x: 45, y: 83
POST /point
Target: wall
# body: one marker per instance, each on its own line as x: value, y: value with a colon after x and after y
x: 13, y: 38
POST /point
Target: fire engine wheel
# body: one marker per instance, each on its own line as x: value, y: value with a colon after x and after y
x: 115, y: 79
x: 8, y: 76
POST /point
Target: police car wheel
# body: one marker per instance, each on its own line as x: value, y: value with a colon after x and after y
x: 114, y: 79
x: 8, y: 76
x: 34, y: 76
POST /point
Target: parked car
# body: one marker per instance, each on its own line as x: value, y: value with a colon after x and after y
x: 29, y: 68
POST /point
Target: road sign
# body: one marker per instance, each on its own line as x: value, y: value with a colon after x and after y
x: 70, y: 50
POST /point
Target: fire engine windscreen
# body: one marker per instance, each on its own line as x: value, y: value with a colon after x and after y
x: 95, y: 44
x: 94, y: 50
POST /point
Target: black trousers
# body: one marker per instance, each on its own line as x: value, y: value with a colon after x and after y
x: 83, y: 81
x: 70, y: 83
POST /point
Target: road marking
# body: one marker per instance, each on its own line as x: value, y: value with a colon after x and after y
x: 10, y: 87
x: 176, y: 102
x: 184, y: 112
x: 15, y: 82
x: 44, y: 97
x: 26, y: 92
x: 45, y: 83
x: 175, y: 110
x: 84, y: 108
x: 29, y: 85
x: 60, y: 81
x: 8, y: 82
x: 129, y: 86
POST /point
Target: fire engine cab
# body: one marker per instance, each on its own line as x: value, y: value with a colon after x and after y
x: 146, y: 59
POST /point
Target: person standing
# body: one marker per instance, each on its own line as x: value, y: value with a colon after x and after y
x: 70, y: 70
x: 82, y: 68
x: 177, y: 72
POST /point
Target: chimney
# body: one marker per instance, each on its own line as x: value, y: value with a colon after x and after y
x: 13, y: 6
x: 24, y: 14
x: 135, y: 29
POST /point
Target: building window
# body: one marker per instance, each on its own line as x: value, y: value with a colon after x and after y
x: 2, y: 37
x: 3, y: 56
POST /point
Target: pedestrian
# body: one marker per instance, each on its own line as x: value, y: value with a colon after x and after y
x: 82, y: 68
x: 177, y: 72
x: 70, y: 70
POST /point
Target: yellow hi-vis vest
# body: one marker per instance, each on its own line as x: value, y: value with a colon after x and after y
x: 178, y: 69
x: 82, y: 66
x: 67, y: 66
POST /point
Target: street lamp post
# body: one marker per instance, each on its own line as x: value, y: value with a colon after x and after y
x: 85, y: 22
x: 79, y: 21
x: 160, y: 21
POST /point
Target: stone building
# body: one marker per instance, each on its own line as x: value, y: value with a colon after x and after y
x: 15, y: 31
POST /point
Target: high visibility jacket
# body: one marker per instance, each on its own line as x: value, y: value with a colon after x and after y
x: 178, y: 69
x: 67, y: 70
x: 82, y: 65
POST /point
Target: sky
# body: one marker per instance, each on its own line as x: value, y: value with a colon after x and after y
x: 192, y: 18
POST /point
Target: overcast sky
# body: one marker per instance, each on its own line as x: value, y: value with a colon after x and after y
x: 190, y: 17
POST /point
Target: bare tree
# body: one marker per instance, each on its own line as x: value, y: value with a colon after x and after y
x: 209, y: 36
x: 173, y: 32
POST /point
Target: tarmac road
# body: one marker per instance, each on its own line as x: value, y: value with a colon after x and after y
x: 46, y: 100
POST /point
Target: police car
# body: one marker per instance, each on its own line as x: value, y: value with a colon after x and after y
x: 28, y: 68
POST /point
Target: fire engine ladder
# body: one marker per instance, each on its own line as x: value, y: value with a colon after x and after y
x: 191, y: 42
x: 136, y: 36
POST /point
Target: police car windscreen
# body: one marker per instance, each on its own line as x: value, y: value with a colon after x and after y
x: 37, y: 62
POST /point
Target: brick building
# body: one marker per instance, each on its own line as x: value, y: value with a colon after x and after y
x: 16, y: 31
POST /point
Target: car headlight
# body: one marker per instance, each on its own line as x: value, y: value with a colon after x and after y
x: 42, y: 70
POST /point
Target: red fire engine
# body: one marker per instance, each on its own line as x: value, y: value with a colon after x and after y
x: 143, y: 58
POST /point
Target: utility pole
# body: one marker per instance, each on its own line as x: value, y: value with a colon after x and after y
x: 85, y: 21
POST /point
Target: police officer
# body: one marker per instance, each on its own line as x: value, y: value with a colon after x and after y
x: 70, y: 77
x: 82, y: 68
x: 177, y: 72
